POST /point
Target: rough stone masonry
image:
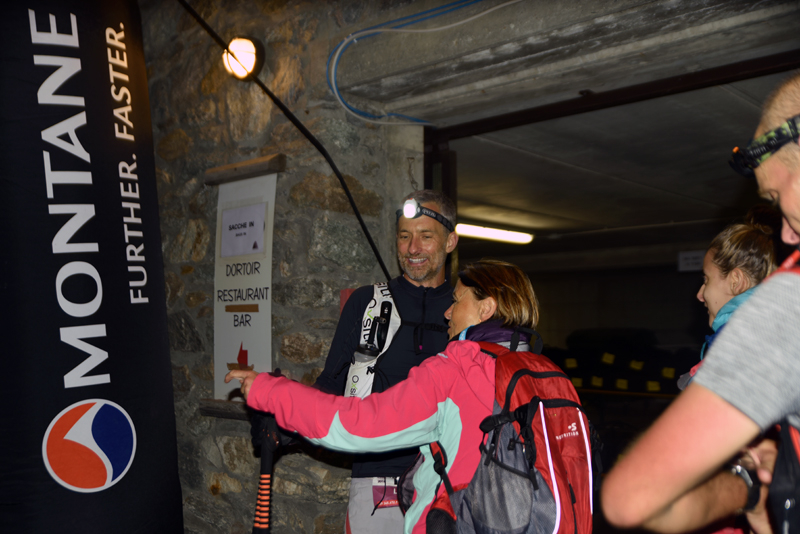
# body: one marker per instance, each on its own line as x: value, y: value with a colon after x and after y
x: 203, y: 118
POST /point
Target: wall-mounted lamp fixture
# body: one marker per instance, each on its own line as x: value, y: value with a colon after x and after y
x: 493, y: 234
x: 246, y: 58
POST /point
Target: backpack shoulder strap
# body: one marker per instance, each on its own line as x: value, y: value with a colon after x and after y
x: 784, y: 491
x: 537, y: 345
x: 790, y: 264
x: 512, y: 366
x: 492, y: 349
x: 440, y: 464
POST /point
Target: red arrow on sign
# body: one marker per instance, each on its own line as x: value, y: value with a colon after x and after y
x: 242, y: 357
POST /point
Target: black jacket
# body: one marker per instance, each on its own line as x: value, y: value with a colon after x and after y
x: 422, y: 334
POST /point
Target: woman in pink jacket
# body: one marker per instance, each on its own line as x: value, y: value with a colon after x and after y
x: 444, y: 399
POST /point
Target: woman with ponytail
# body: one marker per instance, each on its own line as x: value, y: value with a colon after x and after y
x: 737, y: 260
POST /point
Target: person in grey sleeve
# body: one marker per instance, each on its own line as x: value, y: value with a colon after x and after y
x: 677, y: 477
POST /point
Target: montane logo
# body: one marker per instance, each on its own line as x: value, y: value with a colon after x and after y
x: 573, y: 432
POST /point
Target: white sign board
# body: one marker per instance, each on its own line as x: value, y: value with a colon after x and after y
x: 691, y: 260
x: 243, y: 230
x: 243, y: 280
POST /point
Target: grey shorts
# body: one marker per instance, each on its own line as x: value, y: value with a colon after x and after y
x: 361, y: 520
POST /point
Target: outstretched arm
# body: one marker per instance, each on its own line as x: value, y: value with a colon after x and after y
x: 351, y: 423
x: 245, y: 378
x: 670, y: 481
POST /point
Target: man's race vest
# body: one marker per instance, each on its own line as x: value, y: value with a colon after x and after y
x: 380, y: 323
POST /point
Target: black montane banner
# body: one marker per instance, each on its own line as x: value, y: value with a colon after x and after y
x: 88, y: 430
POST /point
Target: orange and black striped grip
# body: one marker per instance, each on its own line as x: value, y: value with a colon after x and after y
x: 266, y: 438
x: 261, y: 521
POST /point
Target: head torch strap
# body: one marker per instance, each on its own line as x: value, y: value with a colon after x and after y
x: 438, y: 216
x: 758, y: 150
x: 774, y: 140
x: 422, y: 210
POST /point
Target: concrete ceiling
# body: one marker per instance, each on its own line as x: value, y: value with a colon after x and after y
x: 649, y: 174
x: 624, y: 186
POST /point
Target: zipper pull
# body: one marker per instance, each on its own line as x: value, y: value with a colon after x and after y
x: 787, y: 506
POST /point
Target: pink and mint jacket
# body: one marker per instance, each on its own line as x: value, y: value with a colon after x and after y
x: 444, y: 400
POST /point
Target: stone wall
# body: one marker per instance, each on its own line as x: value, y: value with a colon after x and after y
x: 203, y: 118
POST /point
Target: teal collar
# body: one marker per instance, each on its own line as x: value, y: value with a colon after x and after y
x: 463, y: 335
x: 727, y: 310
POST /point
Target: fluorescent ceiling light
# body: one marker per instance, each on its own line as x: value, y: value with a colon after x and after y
x: 493, y: 234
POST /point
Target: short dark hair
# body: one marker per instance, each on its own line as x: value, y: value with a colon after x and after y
x: 447, y: 207
x: 508, y: 286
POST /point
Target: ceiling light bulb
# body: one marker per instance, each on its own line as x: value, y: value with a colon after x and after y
x: 243, y: 60
x: 493, y: 234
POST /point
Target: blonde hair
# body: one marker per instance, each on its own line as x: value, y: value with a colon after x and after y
x: 508, y: 286
x: 748, y: 246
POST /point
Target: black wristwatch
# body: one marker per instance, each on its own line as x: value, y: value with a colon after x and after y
x: 750, y: 478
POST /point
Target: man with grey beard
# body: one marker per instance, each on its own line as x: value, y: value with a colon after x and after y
x: 425, y: 235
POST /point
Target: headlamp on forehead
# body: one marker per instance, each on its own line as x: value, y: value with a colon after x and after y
x: 412, y: 209
x: 745, y: 160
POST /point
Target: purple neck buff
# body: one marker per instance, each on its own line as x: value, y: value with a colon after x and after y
x: 493, y: 331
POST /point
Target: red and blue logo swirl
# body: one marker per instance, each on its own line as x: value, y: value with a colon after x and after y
x: 89, y: 446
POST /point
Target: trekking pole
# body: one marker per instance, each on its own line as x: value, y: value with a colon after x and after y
x: 265, y: 434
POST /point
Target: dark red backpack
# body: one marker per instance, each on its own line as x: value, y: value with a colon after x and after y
x: 536, y: 474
